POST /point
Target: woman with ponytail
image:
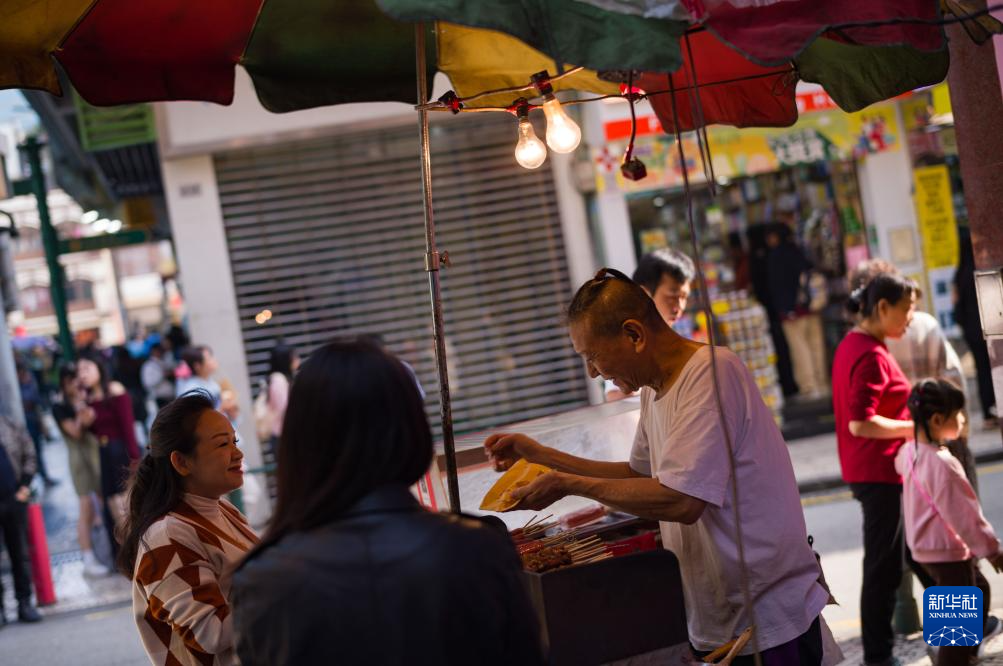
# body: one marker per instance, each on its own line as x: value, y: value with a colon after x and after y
x: 870, y: 395
x: 181, y: 540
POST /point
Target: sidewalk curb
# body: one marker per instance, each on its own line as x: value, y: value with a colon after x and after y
x: 834, y: 482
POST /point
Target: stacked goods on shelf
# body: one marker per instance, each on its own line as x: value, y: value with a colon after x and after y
x: 745, y: 330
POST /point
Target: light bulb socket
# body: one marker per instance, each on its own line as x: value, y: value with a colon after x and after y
x: 542, y: 82
x: 521, y: 108
x: 634, y: 169
x: 451, y: 102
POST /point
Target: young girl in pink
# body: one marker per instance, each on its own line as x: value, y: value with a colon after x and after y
x: 944, y: 525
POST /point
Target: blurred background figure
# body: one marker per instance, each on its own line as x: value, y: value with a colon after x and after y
x: 74, y: 417
x: 17, y: 467
x: 32, y: 401
x: 966, y: 313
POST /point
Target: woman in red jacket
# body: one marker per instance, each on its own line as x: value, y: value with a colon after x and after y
x: 870, y: 400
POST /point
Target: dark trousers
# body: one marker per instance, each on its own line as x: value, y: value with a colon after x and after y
x: 14, y: 525
x: 983, y: 366
x: 805, y: 650
x: 34, y: 428
x: 785, y: 368
x: 960, y: 573
x: 885, y: 555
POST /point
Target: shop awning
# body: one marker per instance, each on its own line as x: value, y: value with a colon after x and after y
x: 746, y: 56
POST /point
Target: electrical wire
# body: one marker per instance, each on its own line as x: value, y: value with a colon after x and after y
x: 440, y: 106
x: 702, y: 282
x: 633, y: 118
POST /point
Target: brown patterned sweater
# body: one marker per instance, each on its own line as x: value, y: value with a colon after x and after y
x: 182, y: 583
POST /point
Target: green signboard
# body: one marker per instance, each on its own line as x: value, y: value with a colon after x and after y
x: 106, y: 128
x: 91, y: 243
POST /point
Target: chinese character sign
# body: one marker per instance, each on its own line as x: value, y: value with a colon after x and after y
x: 952, y: 615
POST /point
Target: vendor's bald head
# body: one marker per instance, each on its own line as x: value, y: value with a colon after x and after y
x: 609, y: 299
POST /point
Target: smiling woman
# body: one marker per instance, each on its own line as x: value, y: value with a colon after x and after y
x: 182, y: 539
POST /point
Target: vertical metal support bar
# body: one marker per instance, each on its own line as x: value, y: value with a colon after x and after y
x: 432, y: 263
x: 57, y: 282
x: 10, y: 389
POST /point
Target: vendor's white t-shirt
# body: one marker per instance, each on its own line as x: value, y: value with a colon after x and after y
x: 680, y: 442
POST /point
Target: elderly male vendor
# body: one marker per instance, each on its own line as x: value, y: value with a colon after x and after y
x: 679, y: 474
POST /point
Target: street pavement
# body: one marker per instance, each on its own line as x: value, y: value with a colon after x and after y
x: 91, y: 622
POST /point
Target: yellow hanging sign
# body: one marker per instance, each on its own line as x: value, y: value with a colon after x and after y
x: 935, y: 212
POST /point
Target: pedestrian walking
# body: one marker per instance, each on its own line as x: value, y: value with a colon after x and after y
x: 870, y: 395
x: 199, y: 366
x: 966, y: 313
x: 925, y: 352
x: 342, y: 575
x: 74, y: 417
x: 31, y: 401
x: 157, y: 375
x: 181, y: 538
x: 113, y: 427
x: 17, y: 467
x: 944, y: 524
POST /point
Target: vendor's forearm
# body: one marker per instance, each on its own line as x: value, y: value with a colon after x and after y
x: 565, y: 462
x: 644, y: 497
x: 881, y: 427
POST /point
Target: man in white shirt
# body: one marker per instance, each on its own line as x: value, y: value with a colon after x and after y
x: 679, y: 473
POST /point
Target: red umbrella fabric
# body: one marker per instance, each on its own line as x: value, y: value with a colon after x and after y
x: 772, y: 32
x: 732, y: 89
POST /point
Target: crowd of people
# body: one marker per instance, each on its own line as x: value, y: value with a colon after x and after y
x: 351, y: 568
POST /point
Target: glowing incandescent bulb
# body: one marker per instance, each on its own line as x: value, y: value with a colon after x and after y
x: 530, y: 151
x: 563, y: 133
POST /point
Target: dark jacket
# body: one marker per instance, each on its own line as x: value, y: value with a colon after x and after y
x: 389, y: 583
x: 20, y: 448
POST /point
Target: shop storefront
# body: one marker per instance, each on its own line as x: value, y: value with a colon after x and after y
x: 840, y: 186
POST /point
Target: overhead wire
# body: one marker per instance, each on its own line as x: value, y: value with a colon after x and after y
x: 709, y: 313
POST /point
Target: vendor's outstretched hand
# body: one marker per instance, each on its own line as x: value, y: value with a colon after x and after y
x: 505, y: 450
x: 541, y: 493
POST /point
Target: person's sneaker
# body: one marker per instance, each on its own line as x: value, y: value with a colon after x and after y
x: 28, y: 613
x: 92, y: 567
x: 993, y: 629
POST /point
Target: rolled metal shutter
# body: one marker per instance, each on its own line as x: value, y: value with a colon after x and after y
x: 328, y: 235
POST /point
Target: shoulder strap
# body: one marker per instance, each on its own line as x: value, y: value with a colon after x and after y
x: 922, y: 491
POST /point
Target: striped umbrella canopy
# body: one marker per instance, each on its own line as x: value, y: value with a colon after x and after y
x: 744, y: 55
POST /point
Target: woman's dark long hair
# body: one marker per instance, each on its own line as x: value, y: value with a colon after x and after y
x: 155, y: 488
x: 355, y: 422
x: 281, y: 360
x: 104, y: 375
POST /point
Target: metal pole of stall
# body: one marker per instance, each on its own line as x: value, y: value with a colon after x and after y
x: 433, y: 261
x: 10, y: 389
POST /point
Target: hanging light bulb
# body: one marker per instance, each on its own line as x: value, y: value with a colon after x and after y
x: 563, y: 133
x: 530, y: 151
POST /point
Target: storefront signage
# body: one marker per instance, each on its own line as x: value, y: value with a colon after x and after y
x: 745, y: 152
x: 935, y: 212
x: 801, y: 147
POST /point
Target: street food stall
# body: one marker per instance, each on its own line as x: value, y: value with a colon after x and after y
x: 698, y: 63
